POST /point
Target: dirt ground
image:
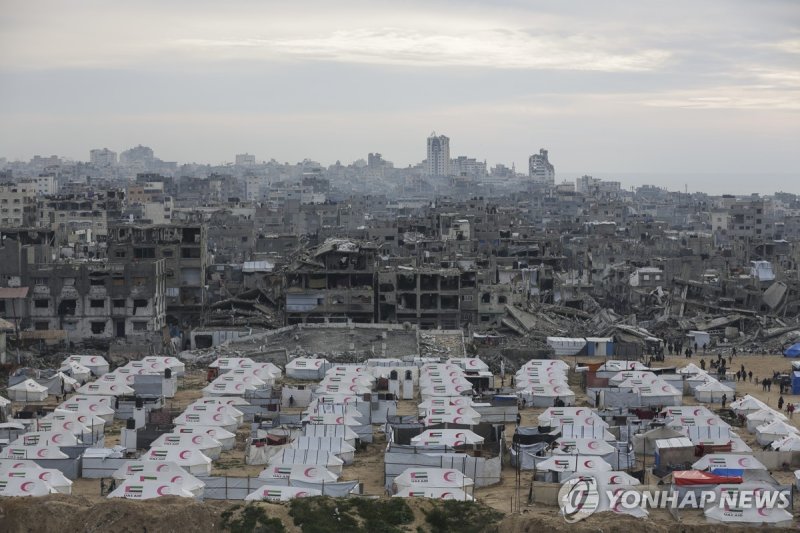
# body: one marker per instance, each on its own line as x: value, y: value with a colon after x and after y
x: 508, y: 497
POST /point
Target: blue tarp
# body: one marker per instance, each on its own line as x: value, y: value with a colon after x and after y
x: 728, y: 472
x: 795, y: 382
x: 792, y: 351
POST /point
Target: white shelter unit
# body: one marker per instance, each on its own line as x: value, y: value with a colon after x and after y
x: 546, y: 395
x: 334, y: 445
x: 24, y: 486
x: 712, y: 392
x: 748, y: 404
x: 790, y: 443
x: 583, y: 446
x: 446, y: 437
x: 207, y: 445
x: 147, y: 489
x: 207, y: 418
x: 573, y: 463
x: 277, y: 474
x: 106, y: 388
x: 55, y: 478
x: 225, y: 437
x: 35, y: 453
x: 85, y: 406
x: 277, y: 493
x: 227, y: 388
x: 293, y: 456
x: 95, y: 363
x: 728, y: 460
x: 775, y: 430
x: 76, y: 370
x: 27, y: 391
x: 435, y: 493
x: 323, y: 430
x: 421, y: 478
x: 761, y: 417
x: 566, y: 346
x: 153, y: 470
x: 35, y: 439
x: 192, y: 460
x: 306, y: 369
x: 469, y: 363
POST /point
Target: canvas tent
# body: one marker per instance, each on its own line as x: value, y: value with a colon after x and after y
x: 775, y: 430
x: 24, y: 486
x: 446, y: 437
x: 206, y: 418
x: 306, y: 369
x: 95, y: 363
x: 645, y: 443
x: 335, y: 445
x: 792, y: 351
x: 278, y: 474
x: 183, y: 479
x: 745, y: 515
x: 728, y: 461
x: 106, y: 388
x: 55, y: 478
x: 293, y: 456
x: 546, y: 395
x: 276, y: 493
x: 191, y: 460
x: 712, y: 392
x: 76, y: 370
x: 420, y: 478
x: 27, y: 391
x: 758, y: 418
x: 209, y: 446
x: 583, y: 447
x: 748, y: 404
x: 225, y: 437
x: 148, y: 489
x: 436, y: 493
x: 36, y: 453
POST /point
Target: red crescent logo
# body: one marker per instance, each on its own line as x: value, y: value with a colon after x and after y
x: 473, y: 362
x: 457, y: 420
x: 56, y: 437
x: 697, y: 412
x: 613, y: 480
x: 578, y: 412
x: 184, y: 454
x: 460, y: 410
x: 42, y: 453
x: 340, y: 420
x: 161, y: 490
x: 459, y: 388
x: 301, y: 494
x: 93, y: 359
x: 310, y: 472
x: 588, y: 464
x: 159, y: 468
x: 445, y: 495
x: 197, y: 439
x: 593, y: 445
x: 176, y: 479
x: 744, y: 461
x: 217, y: 417
x: 447, y: 475
x: 93, y: 407
x: 353, y: 387
x: 24, y: 486
x: 665, y: 388
x: 590, y: 421
x: 44, y: 475
x: 239, y: 386
x: 458, y: 443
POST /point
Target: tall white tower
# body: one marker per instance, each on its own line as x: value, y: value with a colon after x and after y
x: 438, y: 163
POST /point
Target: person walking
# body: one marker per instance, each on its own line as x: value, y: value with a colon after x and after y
x: 790, y: 408
x: 780, y: 403
x: 769, y: 385
x: 724, y: 400
x: 750, y: 374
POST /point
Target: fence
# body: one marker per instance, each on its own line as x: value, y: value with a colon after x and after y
x: 237, y: 488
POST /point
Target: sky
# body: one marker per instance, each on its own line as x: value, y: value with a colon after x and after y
x: 655, y: 91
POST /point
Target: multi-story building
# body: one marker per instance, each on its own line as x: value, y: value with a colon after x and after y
x: 438, y: 162
x: 45, y: 184
x: 102, y: 157
x: 18, y: 205
x: 245, y: 159
x: 99, y: 301
x: 184, y: 251
x: 73, y: 214
x: 540, y: 169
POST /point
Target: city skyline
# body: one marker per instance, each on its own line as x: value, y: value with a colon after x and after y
x: 619, y: 89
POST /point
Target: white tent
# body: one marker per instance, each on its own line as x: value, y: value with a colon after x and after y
x: 148, y: 489
x: 159, y: 363
x: 690, y: 369
x: 306, y: 369
x: 293, y: 456
x: 446, y: 437
x: 332, y: 418
x: 36, y: 439
x: 106, y: 388
x: 790, y: 443
x: 27, y: 391
x: 88, y: 408
x: 59, y: 382
x: 615, y: 365
x: 206, y: 407
x: 76, y: 370
x: 322, y: 430
x: 75, y: 421
x: 192, y: 460
x: 160, y: 470
x: 610, y: 477
x: 722, y: 511
x: 422, y: 478
x: 677, y: 411
x: 469, y: 363
x: 276, y: 474
x: 775, y: 430
x: 227, y: 388
x: 761, y: 417
x: 343, y: 388
x: 581, y: 420
x: 27, y: 452
x: 55, y: 478
x: 748, y: 404
x: 209, y: 446
x: 225, y: 437
x: 436, y: 493
x: 243, y: 375
x: 712, y: 392
x: 583, y: 447
x: 95, y: 363
x: 643, y: 375
x: 206, y: 418
x: 573, y: 463
x: 546, y: 363
x: 728, y: 460
x: 182, y: 479
x: 546, y: 395
x: 277, y: 493
x: 24, y: 486
x: 336, y: 446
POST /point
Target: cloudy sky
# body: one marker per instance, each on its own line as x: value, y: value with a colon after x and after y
x: 665, y: 90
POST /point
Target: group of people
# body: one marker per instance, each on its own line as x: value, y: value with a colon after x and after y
x: 790, y: 407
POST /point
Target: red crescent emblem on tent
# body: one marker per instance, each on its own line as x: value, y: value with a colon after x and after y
x: 217, y: 417
x: 744, y: 461
x: 301, y: 494
x: 588, y: 463
x: 697, y: 412
x: 159, y: 468
x: 184, y: 454
x: 340, y: 420
x: 578, y: 412
x: 24, y: 486
x: 460, y: 410
x: 42, y: 453
x: 44, y: 475
x: 557, y: 389
x: 161, y: 491
x: 56, y: 437
x: 593, y: 445
x: 176, y: 479
x: 93, y: 407
x: 589, y: 421
x: 238, y: 386
x: 447, y: 475
x: 457, y: 420
x: 310, y: 472
x: 93, y: 359
x: 196, y: 439
x: 665, y: 388
x: 445, y: 495
x: 459, y: 388
x: 613, y: 480
x: 353, y: 387
x: 473, y: 362
x: 458, y: 443
x: 460, y: 435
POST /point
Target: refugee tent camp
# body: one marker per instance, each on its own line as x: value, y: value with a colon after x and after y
x: 147, y: 489
x: 27, y: 391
